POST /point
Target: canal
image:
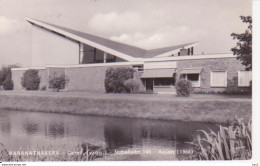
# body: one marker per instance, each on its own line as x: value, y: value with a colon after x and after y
x: 123, y: 138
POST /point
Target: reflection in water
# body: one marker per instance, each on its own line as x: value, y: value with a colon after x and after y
x: 30, y: 127
x: 55, y: 130
x: 117, y: 135
x: 5, y: 123
x: 34, y: 130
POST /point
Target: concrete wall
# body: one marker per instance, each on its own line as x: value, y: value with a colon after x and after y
x: 49, y: 48
x: 18, y: 74
x: 232, y: 65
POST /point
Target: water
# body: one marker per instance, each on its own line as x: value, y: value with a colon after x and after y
x: 155, y: 139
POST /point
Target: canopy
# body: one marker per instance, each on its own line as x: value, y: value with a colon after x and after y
x: 158, y: 73
x: 191, y: 71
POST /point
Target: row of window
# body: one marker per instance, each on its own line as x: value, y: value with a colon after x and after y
x: 219, y: 78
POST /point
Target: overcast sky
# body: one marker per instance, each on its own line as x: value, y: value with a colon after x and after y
x: 143, y: 23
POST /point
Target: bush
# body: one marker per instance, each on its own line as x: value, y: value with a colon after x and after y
x: 6, y: 76
x: 132, y: 85
x: 183, y: 88
x: 58, y: 82
x: 8, y: 83
x: 229, y: 143
x: 115, y: 78
x: 31, y: 80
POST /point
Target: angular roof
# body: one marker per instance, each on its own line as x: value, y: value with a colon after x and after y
x: 126, y: 51
x: 159, y: 51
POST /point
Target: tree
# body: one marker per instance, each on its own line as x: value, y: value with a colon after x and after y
x: 243, y: 49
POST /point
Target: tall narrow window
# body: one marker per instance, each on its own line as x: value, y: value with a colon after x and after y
x: 244, y: 78
x: 218, y: 78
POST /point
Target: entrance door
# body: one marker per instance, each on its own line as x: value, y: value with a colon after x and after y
x: 149, y: 84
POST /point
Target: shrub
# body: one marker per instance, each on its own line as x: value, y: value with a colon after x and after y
x: 115, y: 78
x: 183, y: 88
x: 132, y: 85
x: 8, y: 83
x: 31, y: 79
x: 58, y: 82
x: 229, y: 143
x: 6, y: 76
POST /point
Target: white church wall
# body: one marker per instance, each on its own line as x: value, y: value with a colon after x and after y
x: 51, y: 49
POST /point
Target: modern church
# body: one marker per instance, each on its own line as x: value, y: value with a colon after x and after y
x: 84, y: 58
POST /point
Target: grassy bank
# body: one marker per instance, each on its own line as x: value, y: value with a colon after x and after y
x: 203, y: 109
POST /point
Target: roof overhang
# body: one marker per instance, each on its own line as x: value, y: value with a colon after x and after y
x: 80, y: 39
x: 193, y: 57
x: 191, y: 71
x: 158, y: 73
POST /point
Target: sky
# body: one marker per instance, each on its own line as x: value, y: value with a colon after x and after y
x: 147, y: 24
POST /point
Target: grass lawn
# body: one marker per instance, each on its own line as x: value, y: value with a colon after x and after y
x: 197, y: 107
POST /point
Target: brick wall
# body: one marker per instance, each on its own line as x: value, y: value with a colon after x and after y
x: 232, y: 65
x: 18, y: 74
x: 92, y: 78
x: 87, y: 78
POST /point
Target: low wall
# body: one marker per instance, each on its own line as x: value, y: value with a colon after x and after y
x: 17, y: 74
x: 88, y: 78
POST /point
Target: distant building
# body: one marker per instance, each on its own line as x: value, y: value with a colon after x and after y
x: 84, y: 58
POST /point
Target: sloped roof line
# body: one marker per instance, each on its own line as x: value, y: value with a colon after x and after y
x: 159, y: 52
x: 80, y: 39
x: 124, y: 51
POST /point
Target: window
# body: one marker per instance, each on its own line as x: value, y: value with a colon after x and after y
x: 244, y: 78
x: 163, y: 81
x: 218, y: 78
x: 192, y: 50
x: 194, y: 78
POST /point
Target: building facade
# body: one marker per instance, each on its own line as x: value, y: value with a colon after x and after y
x: 84, y: 58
